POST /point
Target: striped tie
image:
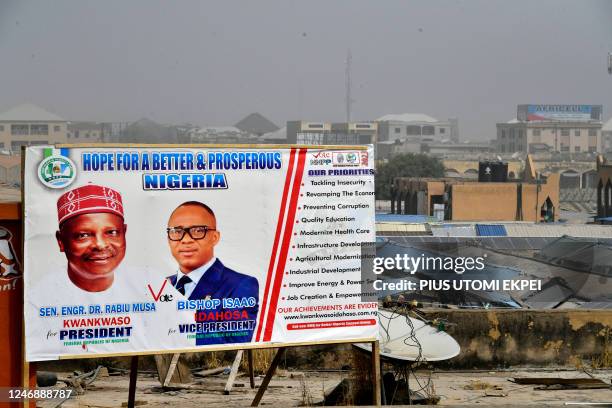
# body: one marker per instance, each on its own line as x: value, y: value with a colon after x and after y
x: 180, y: 285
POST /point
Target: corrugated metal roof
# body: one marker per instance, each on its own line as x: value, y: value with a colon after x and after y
x: 385, y: 227
x: 405, y: 218
x: 490, y: 230
x: 596, y: 305
x: 557, y: 230
x: 550, y: 297
x: 453, y: 231
x: 602, y: 302
x: 280, y: 134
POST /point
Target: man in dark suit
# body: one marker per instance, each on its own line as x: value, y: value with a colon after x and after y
x: 192, y: 236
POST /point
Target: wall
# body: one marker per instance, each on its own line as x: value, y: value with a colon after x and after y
x: 473, y: 201
x: 483, y: 202
x: 409, y: 190
x: 604, y: 172
x: 548, y: 189
x: 503, y: 338
x: 462, y: 165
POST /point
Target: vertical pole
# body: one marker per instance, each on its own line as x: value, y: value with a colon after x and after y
x: 383, y: 393
x: 537, y: 206
x: 268, y: 377
x: 28, y: 373
x: 25, y: 380
x: 133, y: 378
x: 233, y: 372
x: 251, y: 368
x: 171, y: 369
x: 376, y: 373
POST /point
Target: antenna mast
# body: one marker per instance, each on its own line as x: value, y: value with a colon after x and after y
x: 348, y: 99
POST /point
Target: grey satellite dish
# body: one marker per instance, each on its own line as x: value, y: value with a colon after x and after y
x: 399, y: 341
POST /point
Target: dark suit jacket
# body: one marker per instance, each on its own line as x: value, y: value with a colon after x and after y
x: 220, y: 282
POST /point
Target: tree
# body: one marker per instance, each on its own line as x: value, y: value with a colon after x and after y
x: 405, y: 165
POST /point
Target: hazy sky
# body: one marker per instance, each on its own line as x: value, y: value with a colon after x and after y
x: 215, y: 62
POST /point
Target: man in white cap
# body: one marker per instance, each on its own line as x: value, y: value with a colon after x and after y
x: 92, y: 235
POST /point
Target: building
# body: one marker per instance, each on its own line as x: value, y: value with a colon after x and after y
x: 256, y: 124
x: 299, y: 131
x: 389, y: 148
x: 606, y: 136
x: 364, y: 132
x: 416, y: 127
x: 604, y: 189
x: 87, y: 132
x: 146, y: 131
x: 219, y: 134
x: 465, y: 149
x: 277, y: 137
x: 325, y: 133
x: 532, y: 198
x: 565, y: 129
x: 27, y: 125
x: 469, y: 168
x: 10, y: 169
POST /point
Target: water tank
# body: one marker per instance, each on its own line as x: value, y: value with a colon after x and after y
x: 492, y: 171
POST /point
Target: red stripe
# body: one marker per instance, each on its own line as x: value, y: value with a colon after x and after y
x: 281, y: 217
x: 290, y: 221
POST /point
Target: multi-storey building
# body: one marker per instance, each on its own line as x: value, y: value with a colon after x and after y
x: 569, y: 129
x: 416, y: 127
x: 606, y: 136
x: 87, y: 132
x: 29, y: 124
x: 325, y: 133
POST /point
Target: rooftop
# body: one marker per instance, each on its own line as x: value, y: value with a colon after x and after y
x: 280, y: 134
x: 407, y: 117
x: 257, y: 124
x: 29, y: 113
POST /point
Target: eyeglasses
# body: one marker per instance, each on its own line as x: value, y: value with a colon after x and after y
x: 195, y: 232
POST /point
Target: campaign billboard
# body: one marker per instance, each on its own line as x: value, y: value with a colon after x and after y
x: 568, y: 113
x: 152, y: 249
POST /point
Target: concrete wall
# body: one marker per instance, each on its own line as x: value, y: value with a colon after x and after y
x: 473, y: 201
x: 414, y: 195
x: 549, y: 189
x: 503, y: 338
x: 604, y: 197
x: 484, y: 202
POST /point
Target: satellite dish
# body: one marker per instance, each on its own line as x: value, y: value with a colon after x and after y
x: 421, y: 342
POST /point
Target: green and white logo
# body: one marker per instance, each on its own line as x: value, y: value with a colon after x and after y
x: 56, y: 171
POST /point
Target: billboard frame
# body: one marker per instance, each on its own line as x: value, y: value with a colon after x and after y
x: 375, y: 355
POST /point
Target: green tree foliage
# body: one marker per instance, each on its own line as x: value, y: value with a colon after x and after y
x: 405, y: 165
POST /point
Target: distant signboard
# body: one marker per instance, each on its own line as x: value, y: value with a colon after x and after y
x: 573, y: 113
